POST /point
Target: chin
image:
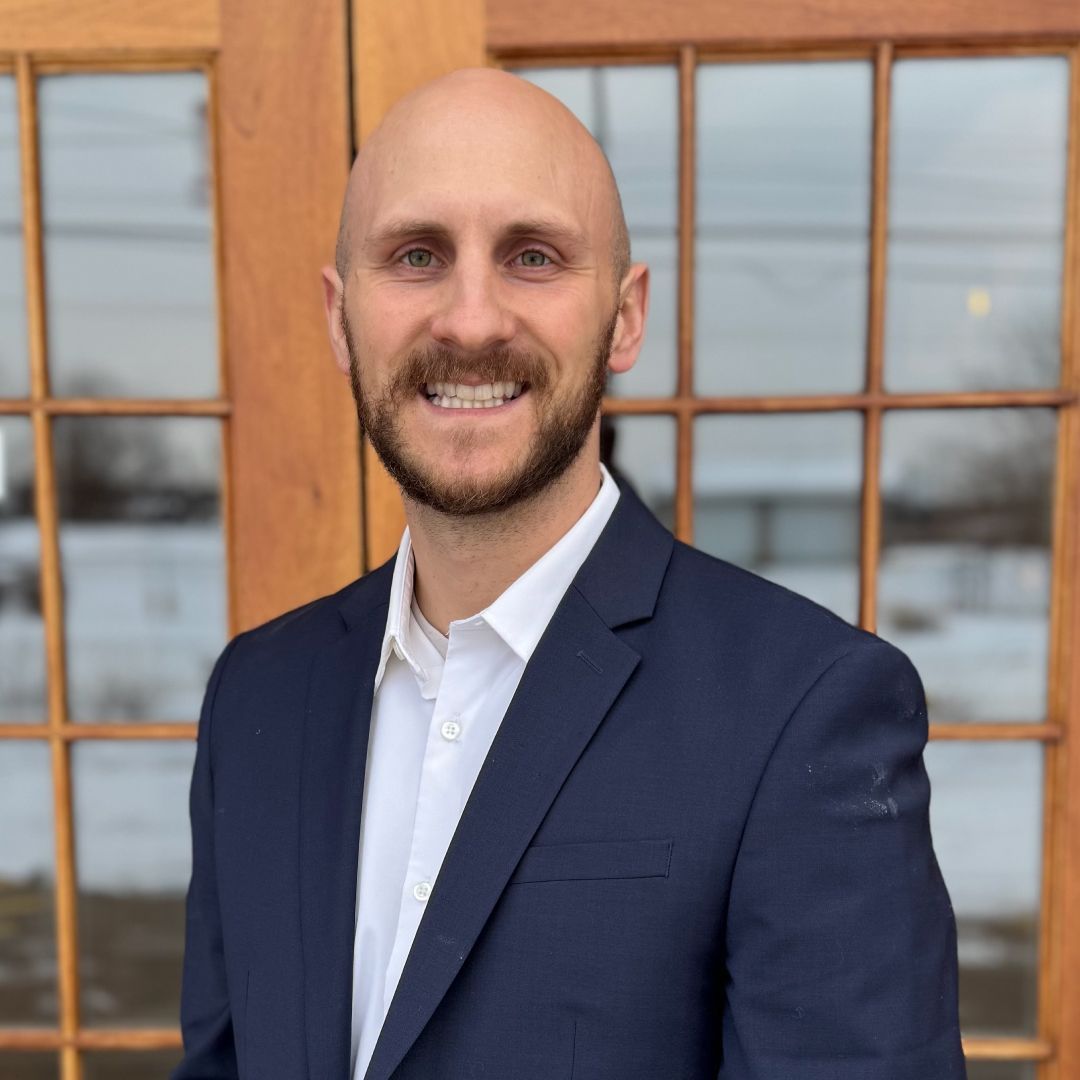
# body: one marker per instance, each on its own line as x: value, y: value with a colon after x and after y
x: 468, y: 477
x: 447, y: 461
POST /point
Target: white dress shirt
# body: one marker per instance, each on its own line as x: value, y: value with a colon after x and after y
x: 438, y: 703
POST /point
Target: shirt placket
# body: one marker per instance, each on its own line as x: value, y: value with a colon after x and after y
x: 440, y: 789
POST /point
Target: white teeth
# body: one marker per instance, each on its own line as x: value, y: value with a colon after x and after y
x: 481, y: 392
x: 459, y: 396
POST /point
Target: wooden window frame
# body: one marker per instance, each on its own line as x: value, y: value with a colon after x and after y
x: 290, y: 479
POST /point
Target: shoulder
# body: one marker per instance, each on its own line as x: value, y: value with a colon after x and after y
x: 809, y: 682
x: 766, y: 627
x: 316, y: 616
x: 699, y: 580
x: 288, y: 640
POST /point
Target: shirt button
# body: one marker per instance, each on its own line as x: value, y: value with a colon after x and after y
x: 451, y: 729
x: 422, y: 890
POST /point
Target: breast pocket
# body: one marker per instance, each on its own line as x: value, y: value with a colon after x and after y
x: 594, y: 859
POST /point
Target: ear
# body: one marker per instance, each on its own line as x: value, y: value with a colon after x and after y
x: 333, y: 302
x: 630, y: 325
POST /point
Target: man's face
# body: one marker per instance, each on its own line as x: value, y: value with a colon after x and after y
x: 562, y: 420
x: 479, y: 308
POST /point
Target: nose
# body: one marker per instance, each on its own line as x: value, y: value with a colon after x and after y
x: 474, y: 316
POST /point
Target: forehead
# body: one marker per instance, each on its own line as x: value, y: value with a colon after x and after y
x: 482, y: 166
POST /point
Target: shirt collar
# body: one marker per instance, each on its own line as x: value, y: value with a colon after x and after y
x: 396, y: 635
x: 521, y: 613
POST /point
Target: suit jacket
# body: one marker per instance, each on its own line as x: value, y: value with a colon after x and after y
x: 698, y: 848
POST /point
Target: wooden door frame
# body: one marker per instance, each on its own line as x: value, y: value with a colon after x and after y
x: 285, y: 148
x: 390, y: 56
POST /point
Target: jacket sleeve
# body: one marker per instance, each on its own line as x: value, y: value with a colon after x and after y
x: 205, y: 1018
x: 840, y: 939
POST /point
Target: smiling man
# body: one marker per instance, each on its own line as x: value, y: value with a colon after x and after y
x: 549, y: 794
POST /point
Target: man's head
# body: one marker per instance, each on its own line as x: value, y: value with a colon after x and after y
x: 482, y: 243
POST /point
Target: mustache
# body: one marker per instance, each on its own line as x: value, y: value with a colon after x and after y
x: 441, y: 363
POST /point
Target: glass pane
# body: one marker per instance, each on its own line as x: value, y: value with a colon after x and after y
x: 783, y: 227
x: 134, y: 859
x: 28, y: 1066
x: 1000, y: 1070
x: 964, y: 585
x: 27, y: 919
x: 144, y: 563
x: 779, y: 495
x: 986, y: 816
x: 126, y: 181
x: 22, y: 626
x: 976, y: 223
x: 641, y: 451
x: 634, y: 114
x: 14, y: 361
x: 130, y: 1065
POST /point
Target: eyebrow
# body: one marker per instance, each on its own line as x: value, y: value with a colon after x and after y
x: 544, y: 228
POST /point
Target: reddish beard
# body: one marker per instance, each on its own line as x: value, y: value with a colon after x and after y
x: 563, y: 423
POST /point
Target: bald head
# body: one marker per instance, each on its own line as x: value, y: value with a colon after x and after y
x: 479, y: 132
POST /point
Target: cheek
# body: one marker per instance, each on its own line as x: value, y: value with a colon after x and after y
x: 387, y: 324
x: 565, y: 323
x: 571, y: 316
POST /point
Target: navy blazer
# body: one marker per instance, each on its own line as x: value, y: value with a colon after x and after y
x: 699, y: 847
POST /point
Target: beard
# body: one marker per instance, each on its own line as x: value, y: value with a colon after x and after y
x: 563, y: 422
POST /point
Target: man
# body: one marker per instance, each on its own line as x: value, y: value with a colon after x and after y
x: 548, y: 795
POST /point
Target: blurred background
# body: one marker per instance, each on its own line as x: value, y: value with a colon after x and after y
x: 858, y: 381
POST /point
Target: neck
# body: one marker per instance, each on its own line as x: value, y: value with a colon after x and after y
x: 464, y: 564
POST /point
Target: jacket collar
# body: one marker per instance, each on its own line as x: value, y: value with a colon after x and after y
x: 620, y: 578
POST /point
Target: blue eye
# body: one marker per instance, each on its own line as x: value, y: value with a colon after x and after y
x: 534, y: 259
x: 418, y: 258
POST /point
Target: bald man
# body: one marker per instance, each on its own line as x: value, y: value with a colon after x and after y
x: 549, y: 795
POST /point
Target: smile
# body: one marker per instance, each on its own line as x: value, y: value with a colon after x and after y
x: 447, y: 395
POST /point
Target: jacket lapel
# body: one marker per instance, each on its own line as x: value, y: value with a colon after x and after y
x: 540, y: 738
x: 331, y: 793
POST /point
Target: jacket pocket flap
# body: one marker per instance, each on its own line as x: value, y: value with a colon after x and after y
x: 594, y: 859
